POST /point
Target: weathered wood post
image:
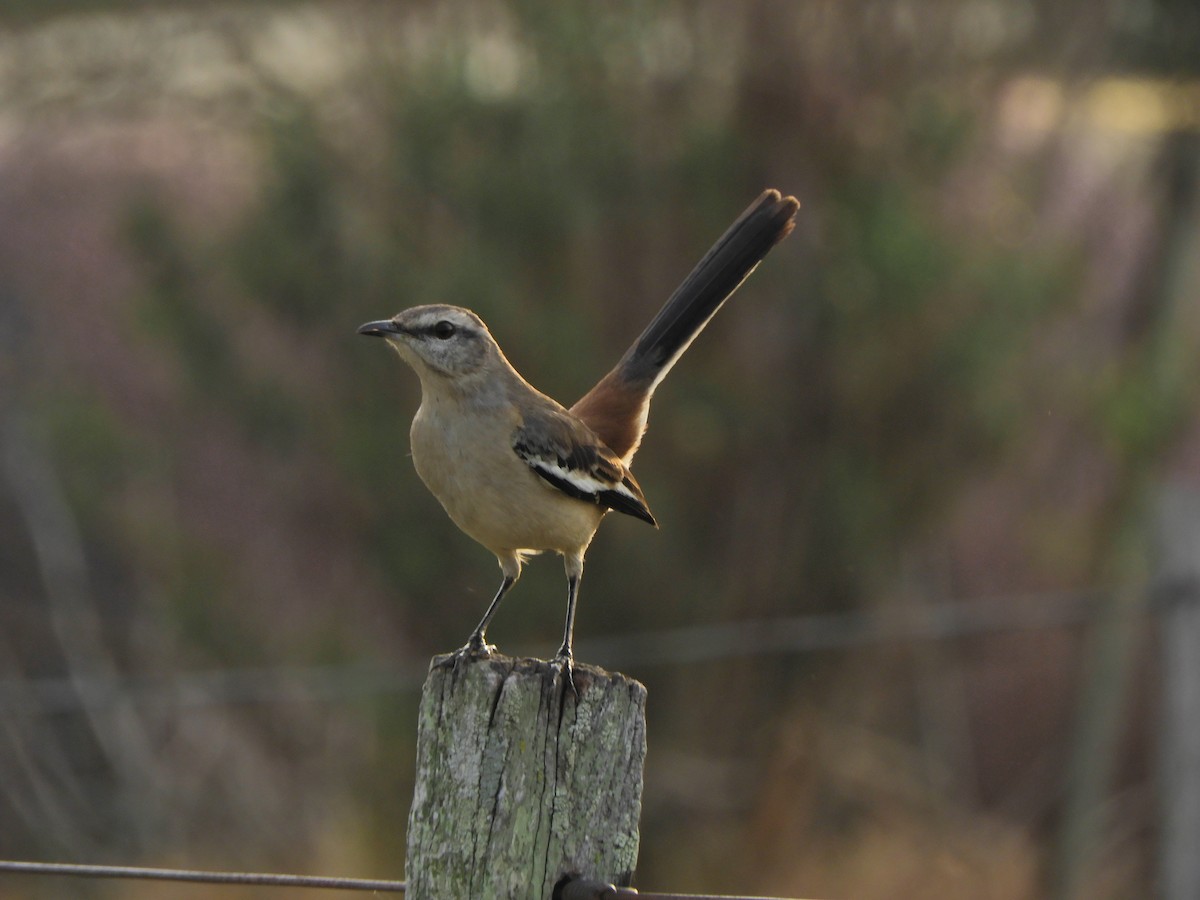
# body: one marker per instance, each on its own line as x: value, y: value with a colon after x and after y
x: 1178, y: 587
x: 520, y: 781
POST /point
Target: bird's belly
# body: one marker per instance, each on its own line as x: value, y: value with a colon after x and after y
x: 495, y: 498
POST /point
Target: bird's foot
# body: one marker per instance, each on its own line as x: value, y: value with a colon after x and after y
x: 564, y: 659
x: 475, y: 648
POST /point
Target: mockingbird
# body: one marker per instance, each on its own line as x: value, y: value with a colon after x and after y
x: 519, y: 472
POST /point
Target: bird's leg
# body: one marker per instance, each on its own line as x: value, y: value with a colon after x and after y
x: 564, y: 652
x: 476, y: 644
x: 565, y: 656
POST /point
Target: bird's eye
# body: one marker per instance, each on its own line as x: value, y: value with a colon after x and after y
x: 443, y: 330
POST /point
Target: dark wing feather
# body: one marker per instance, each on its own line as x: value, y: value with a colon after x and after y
x: 567, y: 455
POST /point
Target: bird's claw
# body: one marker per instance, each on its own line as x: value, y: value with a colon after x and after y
x: 564, y: 659
x: 475, y: 648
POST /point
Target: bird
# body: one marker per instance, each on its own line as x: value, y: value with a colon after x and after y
x: 517, y: 471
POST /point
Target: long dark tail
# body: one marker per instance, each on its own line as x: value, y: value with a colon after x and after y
x: 617, y: 406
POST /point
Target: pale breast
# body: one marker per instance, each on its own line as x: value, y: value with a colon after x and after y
x: 468, y: 463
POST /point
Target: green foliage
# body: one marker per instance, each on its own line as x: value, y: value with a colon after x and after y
x: 1144, y: 399
x: 176, y: 310
x: 193, y: 588
x: 558, y: 167
x: 91, y: 449
x: 179, y: 312
x: 290, y: 256
x: 921, y: 337
x: 546, y: 173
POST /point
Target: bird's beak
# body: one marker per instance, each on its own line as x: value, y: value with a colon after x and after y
x: 382, y: 328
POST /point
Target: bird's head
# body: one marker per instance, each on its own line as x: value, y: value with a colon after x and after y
x: 438, y: 340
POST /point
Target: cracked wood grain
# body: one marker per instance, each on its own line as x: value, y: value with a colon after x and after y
x: 519, y: 781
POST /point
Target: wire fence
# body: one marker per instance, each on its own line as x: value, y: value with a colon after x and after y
x: 138, y: 873
x: 568, y: 888
x: 811, y: 633
x: 695, y: 644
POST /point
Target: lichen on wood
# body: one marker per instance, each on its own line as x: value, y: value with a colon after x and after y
x: 519, y: 780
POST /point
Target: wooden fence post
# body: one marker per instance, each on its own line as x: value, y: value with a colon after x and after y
x: 520, y: 781
x: 1178, y: 586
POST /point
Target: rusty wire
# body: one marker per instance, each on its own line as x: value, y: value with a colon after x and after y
x: 71, y: 870
x: 572, y: 889
x: 586, y: 889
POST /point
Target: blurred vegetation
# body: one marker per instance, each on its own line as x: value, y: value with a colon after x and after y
x: 964, y: 372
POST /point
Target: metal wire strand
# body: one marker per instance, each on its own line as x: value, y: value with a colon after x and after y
x: 579, y: 888
x: 570, y: 889
x: 72, y: 870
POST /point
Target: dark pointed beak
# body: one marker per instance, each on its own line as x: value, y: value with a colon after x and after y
x: 382, y: 328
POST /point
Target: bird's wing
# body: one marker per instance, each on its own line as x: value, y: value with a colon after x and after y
x: 567, y: 455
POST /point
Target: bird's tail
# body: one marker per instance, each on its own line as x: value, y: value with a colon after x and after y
x: 617, y: 406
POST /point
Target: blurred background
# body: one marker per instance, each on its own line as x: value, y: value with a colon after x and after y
x: 917, y: 620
